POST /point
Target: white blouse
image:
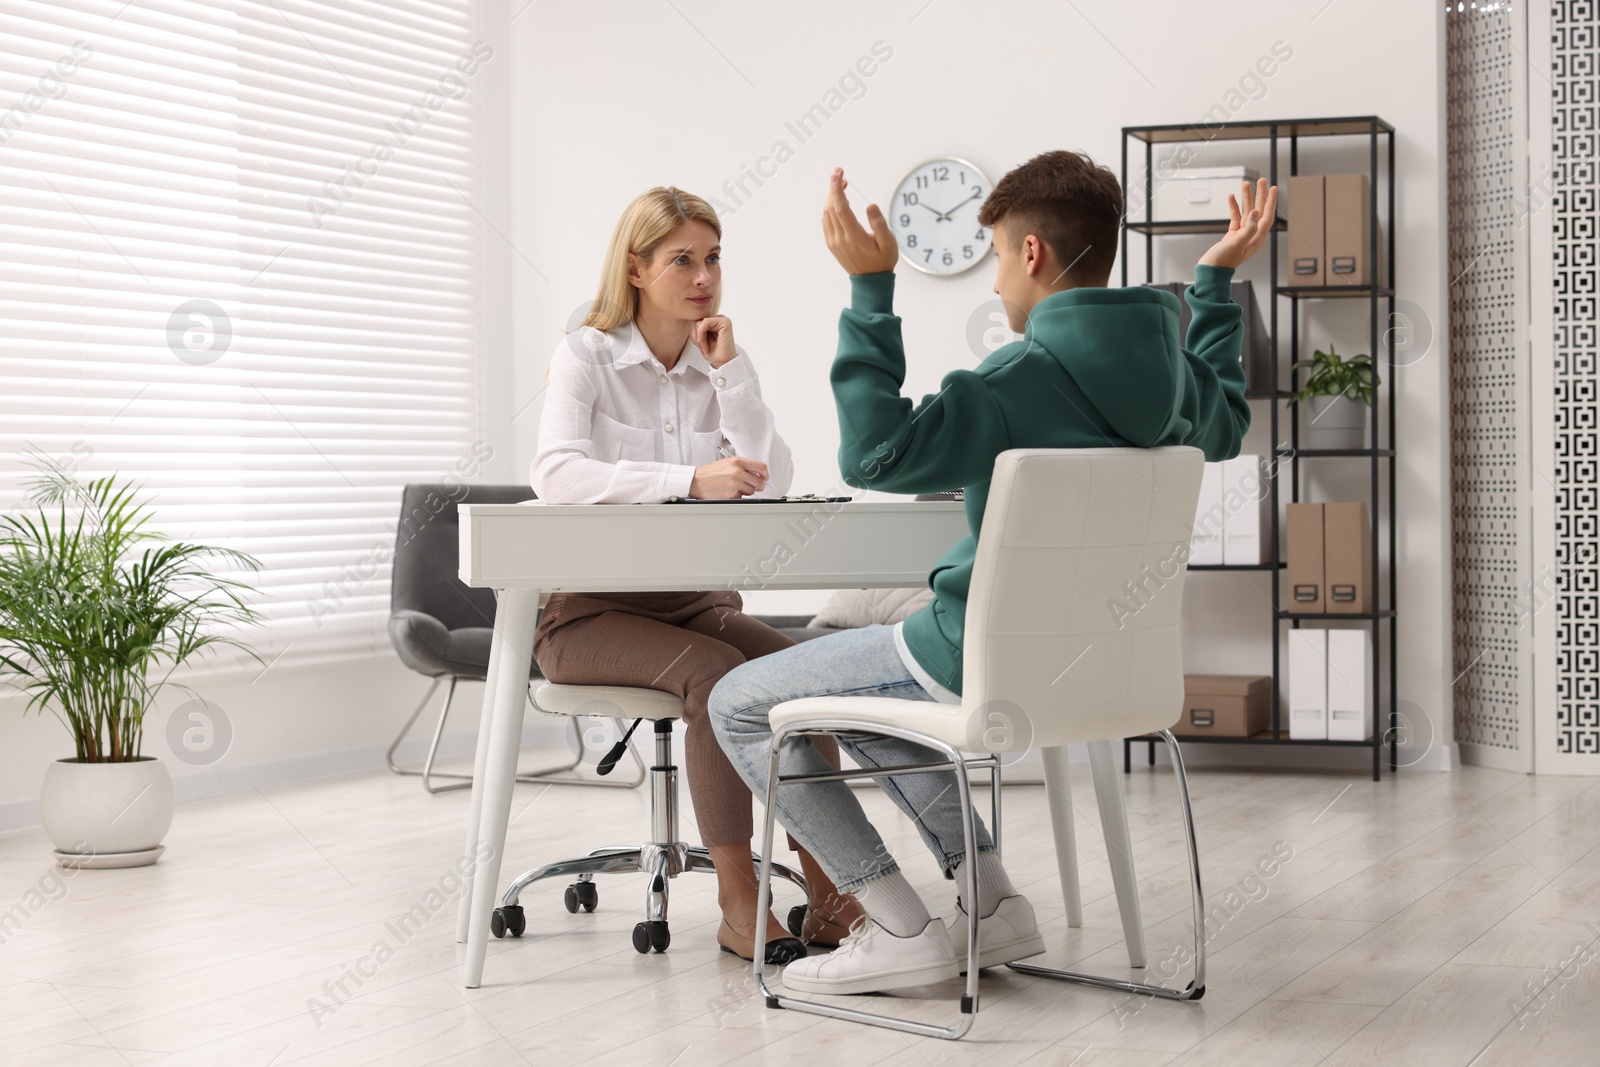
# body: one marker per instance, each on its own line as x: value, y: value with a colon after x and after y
x: 619, y: 428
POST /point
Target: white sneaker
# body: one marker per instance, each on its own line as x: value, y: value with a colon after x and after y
x: 872, y: 959
x: 1008, y: 933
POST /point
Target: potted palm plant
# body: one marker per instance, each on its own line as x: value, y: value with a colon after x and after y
x: 1338, y: 391
x: 96, y: 611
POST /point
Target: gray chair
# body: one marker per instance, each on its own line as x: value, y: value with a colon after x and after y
x: 441, y: 628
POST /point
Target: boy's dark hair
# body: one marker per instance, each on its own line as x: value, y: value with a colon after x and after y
x: 1069, y: 202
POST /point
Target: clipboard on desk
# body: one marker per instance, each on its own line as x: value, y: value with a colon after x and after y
x: 762, y: 500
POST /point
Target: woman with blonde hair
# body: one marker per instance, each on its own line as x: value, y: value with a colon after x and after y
x: 650, y: 400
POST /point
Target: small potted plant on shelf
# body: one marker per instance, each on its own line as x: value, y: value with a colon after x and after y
x: 96, y: 611
x: 1339, y: 391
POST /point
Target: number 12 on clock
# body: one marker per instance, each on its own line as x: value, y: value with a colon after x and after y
x: 935, y: 216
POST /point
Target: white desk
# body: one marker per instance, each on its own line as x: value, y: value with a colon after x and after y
x: 527, y: 549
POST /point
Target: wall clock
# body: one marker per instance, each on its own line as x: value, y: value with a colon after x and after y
x: 935, y: 216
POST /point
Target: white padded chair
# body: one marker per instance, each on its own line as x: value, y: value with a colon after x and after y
x: 1049, y: 659
x: 663, y: 857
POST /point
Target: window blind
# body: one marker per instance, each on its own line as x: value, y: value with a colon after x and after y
x: 239, y: 263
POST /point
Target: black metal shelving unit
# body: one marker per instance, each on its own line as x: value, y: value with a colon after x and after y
x: 1380, y: 450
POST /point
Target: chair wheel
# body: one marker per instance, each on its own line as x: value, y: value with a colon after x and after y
x: 651, y: 935
x: 508, y: 919
x: 797, y: 920
x: 581, y: 895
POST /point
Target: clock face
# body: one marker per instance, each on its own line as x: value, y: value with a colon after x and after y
x: 934, y: 214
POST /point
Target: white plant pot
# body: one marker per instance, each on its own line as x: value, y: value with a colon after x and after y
x: 1336, y: 422
x: 106, y: 814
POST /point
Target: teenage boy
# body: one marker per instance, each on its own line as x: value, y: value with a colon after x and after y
x: 1095, y: 367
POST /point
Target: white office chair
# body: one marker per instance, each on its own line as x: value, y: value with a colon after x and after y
x: 664, y: 856
x: 1049, y: 658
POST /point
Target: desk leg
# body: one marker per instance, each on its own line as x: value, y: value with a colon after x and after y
x: 514, y: 625
x: 1058, y: 788
x: 1119, y: 846
x: 475, y: 805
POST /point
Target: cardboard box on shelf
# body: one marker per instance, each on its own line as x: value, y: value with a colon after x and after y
x: 1347, y: 558
x: 1225, y: 705
x: 1347, y: 229
x: 1308, y: 264
x: 1304, y: 574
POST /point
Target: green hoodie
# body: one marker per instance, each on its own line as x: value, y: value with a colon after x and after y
x: 1096, y: 367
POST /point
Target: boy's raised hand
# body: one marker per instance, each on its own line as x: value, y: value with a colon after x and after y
x: 857, y: 251
x: 1253, y: 213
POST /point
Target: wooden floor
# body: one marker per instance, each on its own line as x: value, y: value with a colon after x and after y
x: 1427, y: 919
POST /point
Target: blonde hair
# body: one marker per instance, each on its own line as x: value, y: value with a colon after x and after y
x: 648, y: 221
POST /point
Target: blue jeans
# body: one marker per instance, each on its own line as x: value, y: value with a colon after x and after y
x: 825, y: 817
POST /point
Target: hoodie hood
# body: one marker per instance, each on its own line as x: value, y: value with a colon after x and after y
x: 1121, y: 347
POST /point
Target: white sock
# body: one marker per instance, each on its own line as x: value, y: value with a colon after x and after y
x: 994, y: 885
x: 895, y: 905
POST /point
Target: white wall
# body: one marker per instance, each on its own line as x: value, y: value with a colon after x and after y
x: 292, y: 723
x: 610, y: 98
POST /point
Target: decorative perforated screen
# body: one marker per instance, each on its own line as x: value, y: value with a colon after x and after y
x: 1574, y: 70
x: 1487, y: 376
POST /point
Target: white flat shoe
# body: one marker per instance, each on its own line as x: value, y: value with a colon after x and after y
x: 1006, y: 934
x: 872, y: 959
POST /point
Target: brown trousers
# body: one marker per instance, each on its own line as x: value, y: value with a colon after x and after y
x: 681, y: 643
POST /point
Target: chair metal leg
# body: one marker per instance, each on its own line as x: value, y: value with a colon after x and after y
x: 433, y: 750
x: 994, y: 807
x: 655, y: 895
x: 1197, y: 986
x: 952, y: 761
x: 554, y: 775
x: 619, y: 861
x: 699, y: 859
x: 388, y: 757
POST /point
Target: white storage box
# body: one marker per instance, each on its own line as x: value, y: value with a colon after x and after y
x: 1349, y: 685
x: 1205, y: 542
x: 1247, y: 532
x: 1308, y: 684
x: 1196, y: 193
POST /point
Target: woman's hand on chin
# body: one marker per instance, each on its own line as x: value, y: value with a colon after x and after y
x: 728, y: 479
x: 713, y: 335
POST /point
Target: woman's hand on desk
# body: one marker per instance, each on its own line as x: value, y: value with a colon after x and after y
x: 713, y: 335
x: 728, y: 479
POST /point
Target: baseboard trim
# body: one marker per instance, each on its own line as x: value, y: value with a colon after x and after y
x: 218, y: 781
x: 1431, y: 759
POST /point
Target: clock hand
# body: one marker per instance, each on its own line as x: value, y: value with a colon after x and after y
x: 932, y: 209
x: 946, y: 214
